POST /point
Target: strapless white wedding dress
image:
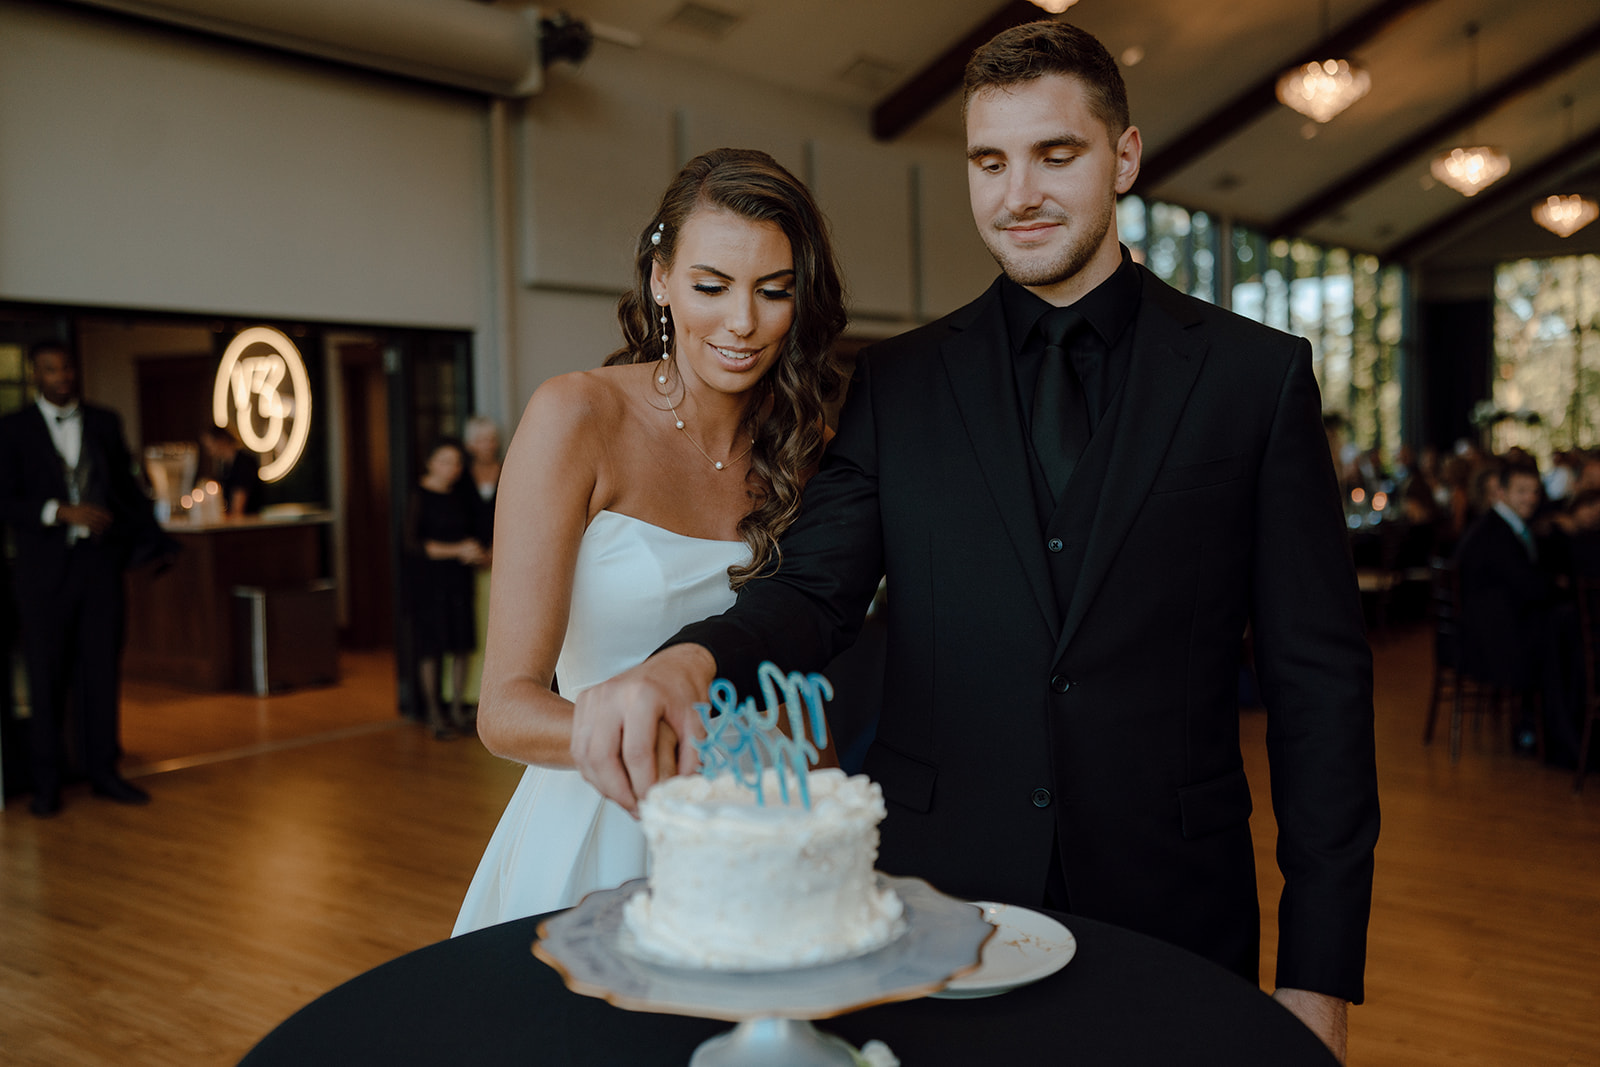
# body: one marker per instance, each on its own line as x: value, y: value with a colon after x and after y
x: 635, y: 586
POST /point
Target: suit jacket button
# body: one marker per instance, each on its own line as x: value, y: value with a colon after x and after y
x: 1054, y: 544
x: 1041, y: 798
x: 1060, y: 683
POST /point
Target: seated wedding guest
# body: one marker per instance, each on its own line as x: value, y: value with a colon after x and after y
x: 1453, y: 495
x: 1588, y: 467
x: 442, y: 544
x: 1561, y: 480
x: 1429, y: 462
x: 1574, y: 539
x: 1487, y: 488
x: 1423, y: 521
x: 238, y: 470
x: 1507, y: 621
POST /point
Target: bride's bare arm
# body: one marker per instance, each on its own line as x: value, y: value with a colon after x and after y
x: 546, y: 485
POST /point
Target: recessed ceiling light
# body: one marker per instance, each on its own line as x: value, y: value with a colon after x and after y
x: 1131, y: 55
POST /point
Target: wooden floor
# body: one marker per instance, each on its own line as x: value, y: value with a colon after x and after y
x: 299, y: 840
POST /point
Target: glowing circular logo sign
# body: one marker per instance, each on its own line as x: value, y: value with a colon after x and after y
x: 263, y: 392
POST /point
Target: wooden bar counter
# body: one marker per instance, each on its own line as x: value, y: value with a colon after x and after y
x: 184, y: 626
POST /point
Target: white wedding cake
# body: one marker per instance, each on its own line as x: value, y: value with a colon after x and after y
x: 736, y: 885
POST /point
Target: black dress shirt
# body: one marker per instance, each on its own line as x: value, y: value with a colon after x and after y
x: 1109, y: 308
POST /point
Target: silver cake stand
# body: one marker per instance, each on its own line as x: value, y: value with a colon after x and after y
x: 591, y: 950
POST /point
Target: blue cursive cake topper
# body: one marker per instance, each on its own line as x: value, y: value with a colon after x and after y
x: 744, y: 741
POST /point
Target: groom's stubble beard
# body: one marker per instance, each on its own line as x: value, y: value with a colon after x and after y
x: 1068, y: 262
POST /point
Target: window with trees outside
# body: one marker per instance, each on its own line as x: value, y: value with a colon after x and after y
x: 1350, y: 307
x: 1546, y: 393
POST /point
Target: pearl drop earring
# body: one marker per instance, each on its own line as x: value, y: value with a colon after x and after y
x: 666, y: 353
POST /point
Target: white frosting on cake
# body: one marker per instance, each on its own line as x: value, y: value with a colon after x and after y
x: 740, y: 887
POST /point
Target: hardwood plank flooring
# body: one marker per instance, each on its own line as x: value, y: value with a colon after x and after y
x: 298, y: 840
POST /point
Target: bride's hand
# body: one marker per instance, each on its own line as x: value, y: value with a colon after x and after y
x: 616, y: 724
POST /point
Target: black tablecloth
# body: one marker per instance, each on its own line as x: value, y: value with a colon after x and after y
x: 482, y: 999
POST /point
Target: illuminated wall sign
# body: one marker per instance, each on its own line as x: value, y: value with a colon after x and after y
x: 263, y: 392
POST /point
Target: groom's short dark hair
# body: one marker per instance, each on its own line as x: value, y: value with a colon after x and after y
x: 1036, y: 49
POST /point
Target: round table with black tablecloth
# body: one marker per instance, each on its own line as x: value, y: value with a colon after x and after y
x: 1125, y: 1000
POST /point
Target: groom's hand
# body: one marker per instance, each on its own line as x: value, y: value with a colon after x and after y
x: 616, y: 725
x: 1327, y: 1017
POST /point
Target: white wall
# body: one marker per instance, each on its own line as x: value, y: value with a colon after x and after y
x: 600, y: 144
x: 142, y: 167
x: 146, y: 168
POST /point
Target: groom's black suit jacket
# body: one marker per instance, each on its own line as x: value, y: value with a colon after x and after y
x: 1081, y: 681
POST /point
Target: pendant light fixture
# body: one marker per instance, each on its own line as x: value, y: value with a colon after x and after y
x: 1470, y: 170
x: 1566, y: 215
x: 1322, y: 88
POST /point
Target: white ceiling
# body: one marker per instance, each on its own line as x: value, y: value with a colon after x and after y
x: 1197, y: 56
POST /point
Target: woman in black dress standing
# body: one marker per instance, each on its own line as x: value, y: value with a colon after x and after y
x: 442, y: 542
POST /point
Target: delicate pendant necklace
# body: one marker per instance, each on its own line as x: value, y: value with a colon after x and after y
x: 717, y: 463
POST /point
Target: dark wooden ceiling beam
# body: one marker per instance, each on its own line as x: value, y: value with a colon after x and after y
x: 1262, y: 97
x: 1541, y: 70
x: 1529, y: 185
x: 929, y: 87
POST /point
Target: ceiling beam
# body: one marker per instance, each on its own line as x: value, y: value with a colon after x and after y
x: 929, y: 87
x: 1531, y: 183
x: 1326, y: 201
x: 1262, y: 97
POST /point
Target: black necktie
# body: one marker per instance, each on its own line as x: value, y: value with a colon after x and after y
x: 1060, y: 415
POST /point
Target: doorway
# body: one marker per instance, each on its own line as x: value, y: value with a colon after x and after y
x: 368, y: 500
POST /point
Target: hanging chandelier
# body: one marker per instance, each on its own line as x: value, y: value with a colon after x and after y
x: 1469, y: 171
x: 1322, y: 90
x: 1565, y: 215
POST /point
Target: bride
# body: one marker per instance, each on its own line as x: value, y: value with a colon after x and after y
x: 640, y: 496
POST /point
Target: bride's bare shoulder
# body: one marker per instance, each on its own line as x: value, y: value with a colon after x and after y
x: 579, y: 402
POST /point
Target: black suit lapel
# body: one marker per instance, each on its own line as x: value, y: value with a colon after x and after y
x: 1166, y: 360
x: 42, y: 447
x: 983, y: 381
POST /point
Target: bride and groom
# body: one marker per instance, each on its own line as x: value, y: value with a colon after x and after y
x: 1077, y: 520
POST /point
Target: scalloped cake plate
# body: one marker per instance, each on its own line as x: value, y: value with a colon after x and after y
x: 1026, y: 947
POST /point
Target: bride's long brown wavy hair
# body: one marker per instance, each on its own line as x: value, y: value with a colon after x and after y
x: 787, y: 432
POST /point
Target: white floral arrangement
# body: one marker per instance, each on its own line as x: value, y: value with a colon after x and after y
x: 1487, y: 413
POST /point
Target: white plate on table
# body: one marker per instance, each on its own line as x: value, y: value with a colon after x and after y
x: 1026, y: 947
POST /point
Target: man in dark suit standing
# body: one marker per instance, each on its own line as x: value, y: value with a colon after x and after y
x: 76, y: 515
x: 1081, y: 487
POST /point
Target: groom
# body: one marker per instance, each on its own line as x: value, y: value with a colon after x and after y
x: 1078, y: 512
